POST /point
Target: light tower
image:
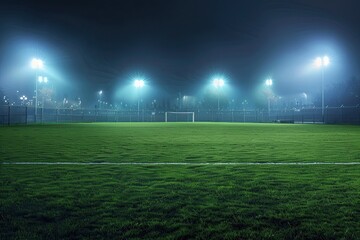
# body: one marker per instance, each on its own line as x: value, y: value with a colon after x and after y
x: 322, y: 62
x: 42, y: 80
x: 269, y: 83
x: 100, y: 95
x: 138, y: 84
x: 36, y: 64
x: 218, y: 83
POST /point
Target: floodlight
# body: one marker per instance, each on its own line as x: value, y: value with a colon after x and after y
x: 326, y: 60
x: 268, y: 82
x: 37, y: 63
x: 23, y: 98
x: 100, y: 92
x: 218, y: 82
x: 322, y: 62
x: 139, y: 83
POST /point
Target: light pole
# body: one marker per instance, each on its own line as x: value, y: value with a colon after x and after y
x: 244, y: 103
x: 322, y: 62
x: 138, y: 83
x: 269, y: 83
x: 185, y: 102
x: 42, y: 80
x: 100, y: 94
x: 218, y: 83
x: 36, y: 64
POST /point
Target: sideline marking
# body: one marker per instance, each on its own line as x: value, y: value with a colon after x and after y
x: 180, y: 163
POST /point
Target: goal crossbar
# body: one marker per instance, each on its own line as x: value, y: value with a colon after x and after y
x: 181, y: 113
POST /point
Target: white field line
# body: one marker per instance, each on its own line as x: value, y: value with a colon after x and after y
x: 181, y: 163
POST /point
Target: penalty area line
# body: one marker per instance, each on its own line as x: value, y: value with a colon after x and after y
x: 181, y: 163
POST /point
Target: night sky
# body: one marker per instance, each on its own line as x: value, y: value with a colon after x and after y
x: 178, y: 45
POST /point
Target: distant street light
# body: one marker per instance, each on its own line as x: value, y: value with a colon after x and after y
x: 42, y: 79
x: 23, y: 99
x: 36, y: 64
x: 138, y: 84
x: 321, y: 63
x: 269, y: 83
x: 218, y: 83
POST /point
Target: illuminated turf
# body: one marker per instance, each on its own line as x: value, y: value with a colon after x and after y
x: 180, y: 201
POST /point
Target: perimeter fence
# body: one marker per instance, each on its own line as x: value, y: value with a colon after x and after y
x: 12, y: 115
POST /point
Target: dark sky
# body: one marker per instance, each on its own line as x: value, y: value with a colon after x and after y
x: 178, y: 45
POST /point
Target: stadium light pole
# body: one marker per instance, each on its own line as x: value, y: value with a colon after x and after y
x: 41, y: 80
x: 322, y: 62
x: 36, y: 64
x: 268, y: 83
x: 138, y: 84
x: 100, y: 95
x: 218, y: 83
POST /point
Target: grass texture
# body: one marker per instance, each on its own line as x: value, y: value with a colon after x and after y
x: 180, y: 201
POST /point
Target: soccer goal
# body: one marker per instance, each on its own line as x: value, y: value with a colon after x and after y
x: 179, y: 117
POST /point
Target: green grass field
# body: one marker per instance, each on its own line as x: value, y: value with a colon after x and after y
x: 194, y: 201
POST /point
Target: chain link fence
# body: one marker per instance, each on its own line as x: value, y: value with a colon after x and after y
x: 12, y: 115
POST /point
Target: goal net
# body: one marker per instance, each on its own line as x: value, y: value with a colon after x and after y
x: 179, y: 117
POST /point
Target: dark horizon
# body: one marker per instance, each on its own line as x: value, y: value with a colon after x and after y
x: 178, y: 46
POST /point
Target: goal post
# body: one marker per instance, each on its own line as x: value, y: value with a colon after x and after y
x: 189, y: 116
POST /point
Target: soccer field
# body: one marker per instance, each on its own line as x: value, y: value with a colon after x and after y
x: 180, y: 181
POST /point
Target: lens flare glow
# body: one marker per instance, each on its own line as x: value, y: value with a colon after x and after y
x: 318, y: 62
